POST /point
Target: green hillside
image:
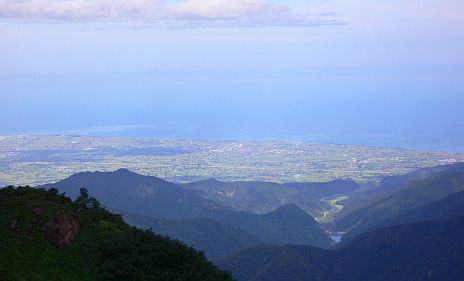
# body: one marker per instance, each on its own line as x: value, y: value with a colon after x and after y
x: 399, y: 181
x: 288, y: 224
x: 425, y: 251
x: 448, y: 208
x: 127, y: 191
x: 414, y: 195
x: 203, y: 234
x: 264, y: 197
x: 45, y: 236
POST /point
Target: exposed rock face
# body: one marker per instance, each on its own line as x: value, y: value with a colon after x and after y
x: 61, y: 230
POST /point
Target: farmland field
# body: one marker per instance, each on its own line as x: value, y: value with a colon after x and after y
x: 42, y: 159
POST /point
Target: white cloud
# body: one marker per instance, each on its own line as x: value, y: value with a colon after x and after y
x: 392, y: 13
x: 225, y: 9
x: 82, y: 10
x: 241, y: 13
x: 190, y: 13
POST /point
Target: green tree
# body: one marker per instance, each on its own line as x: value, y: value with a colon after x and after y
x: 85, y: 201
x: 82, y: 201
x: 93, y: 203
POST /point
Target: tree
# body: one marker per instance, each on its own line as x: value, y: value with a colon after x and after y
x: 85, y: 201
x: 93, y: 203
x: 82, y: 200
x: 53, y: 191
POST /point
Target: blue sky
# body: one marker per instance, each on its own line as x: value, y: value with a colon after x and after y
x: 370, y: 72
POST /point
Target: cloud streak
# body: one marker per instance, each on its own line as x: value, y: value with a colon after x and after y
x: 186, y: 14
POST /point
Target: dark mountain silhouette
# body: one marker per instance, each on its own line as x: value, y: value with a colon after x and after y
x: 287, y: 225
x: 423, y: 251
x: 130, y: 192
x: 414, y: 195
x: 389, y: 186
x: 448, y: 208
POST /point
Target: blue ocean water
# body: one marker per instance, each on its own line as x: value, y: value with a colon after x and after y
x: 413, y: 112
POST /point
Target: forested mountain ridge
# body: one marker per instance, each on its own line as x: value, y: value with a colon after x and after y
x: 427, y: 251
x: 450, y: 207
x: 288, y: 224
x: 263, y: 197
x: 388, y: 186
x: 398, y: 181
x: 415, y: 194
x: 128, y: 192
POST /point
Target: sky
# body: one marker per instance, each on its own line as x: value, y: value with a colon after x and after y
x: 383, y: 73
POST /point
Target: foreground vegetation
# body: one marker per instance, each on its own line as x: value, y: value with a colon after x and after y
x: 85, y: 242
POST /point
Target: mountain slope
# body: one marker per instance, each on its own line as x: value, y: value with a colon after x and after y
x: 279, y: 263
x: 448, y: 208
x: 130, y: 192
x: 389, y: 185
x: 263, y: 197
x: 393, y: 182
x: 415, y: 194
x: 287, y: 225
x: 203, y: 234
x: 45, y: 236
x: 253, y: 196
x: 427, y: 251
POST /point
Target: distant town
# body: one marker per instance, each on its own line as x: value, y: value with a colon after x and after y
x: 36, y: 160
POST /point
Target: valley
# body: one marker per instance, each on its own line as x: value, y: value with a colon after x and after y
x: 328, y: 216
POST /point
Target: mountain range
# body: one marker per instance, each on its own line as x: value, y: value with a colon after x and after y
x: 412, y: 195
x: 397, y: 181
x: 128, y: 192
x: 419, y: 250
x: 407, y: 228
x: 263, y: 197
